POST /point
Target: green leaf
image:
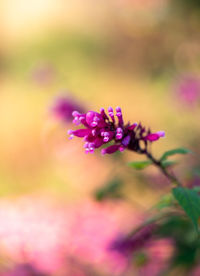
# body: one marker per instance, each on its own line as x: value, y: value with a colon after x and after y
x: 166, y: 201
x: 174, y: 151
x: 139, y: 165
x: 189, y: 200
x: 168, y: 163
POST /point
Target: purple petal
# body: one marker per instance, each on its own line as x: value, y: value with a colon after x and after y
x: 126, y: 140
x: 70, y: 132
x: 133, y: 126
x: 119, y: 115
x: 98, y: 142
x: 110, y: 149
x: 111, y: 114
x: 103, y: 114
x: 155, y: 136
x: 161, y: 133
x: 81, y: 132
x: 152, y: 137
x: 94, y: 119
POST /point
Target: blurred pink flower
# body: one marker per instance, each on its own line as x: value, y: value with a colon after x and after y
x: 195, y: 271
x: 22, y: 270
x: 32, y: 231
x: 43, y: 74
x: 48, y: 237
x: 188, y: 90
x: 63, y: 106
x: 147, y: 256
x: 158, y: 254
x: 129, y: 244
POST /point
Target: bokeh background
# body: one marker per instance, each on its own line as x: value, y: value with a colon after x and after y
x: 142, y: 55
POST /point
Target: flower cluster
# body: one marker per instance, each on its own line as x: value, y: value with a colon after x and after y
x: 101, y: 129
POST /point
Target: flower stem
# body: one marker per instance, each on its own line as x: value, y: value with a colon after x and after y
x: 158, y: 164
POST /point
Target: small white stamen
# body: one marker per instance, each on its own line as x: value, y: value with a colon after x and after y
x: 106, y: 139
x: 93, y: 124
x: 93, y: 132
x: 75, y: 113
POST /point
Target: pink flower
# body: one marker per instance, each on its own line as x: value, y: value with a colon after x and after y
x: 23, y: 270
x: 101, y: 129
x: 126, y: 245
x: 44, y: 74
x: 146, y: 255
x: 63, y: 106
x: 188, y: 90
x: 61, y: 241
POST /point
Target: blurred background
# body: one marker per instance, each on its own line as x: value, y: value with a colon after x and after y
x: 144, y: 55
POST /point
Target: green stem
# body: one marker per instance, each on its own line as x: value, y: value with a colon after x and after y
x: 158, y: 164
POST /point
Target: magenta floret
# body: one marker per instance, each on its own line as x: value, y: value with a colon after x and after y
x: 101, y: 129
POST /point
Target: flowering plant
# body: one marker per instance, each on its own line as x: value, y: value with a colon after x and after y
x: 102, y: 129
x: 179, y: 207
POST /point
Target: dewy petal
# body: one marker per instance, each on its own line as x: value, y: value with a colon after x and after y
x: 119, y: 115
x: 119, y: 136
x: 133, y: 126
x: 107, y: 136
x: 155, y: 136
x: 75, y: 113
x: 126, y: 140
x: 119, y: 133
x: 121, y: 148
x: 79, y: 118
x: 76, y: 121
x: 89, y: 138
x: 70, y: 132
x: 98, y: 142
x: 111, y: 114
x: 81, y: 132
x: 89, y: 117
x: 110, y: 149
x: 89, y: 147
x: 94, y: 119
x: 152, y: 137
x: 161, y: 133
x: 103, y: 114
x: 110, y: 111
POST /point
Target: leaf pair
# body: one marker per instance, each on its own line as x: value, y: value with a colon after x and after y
x: 167, y: 163
x: 174, y: 151
x: 139, y: 165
